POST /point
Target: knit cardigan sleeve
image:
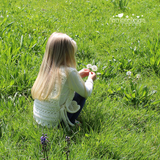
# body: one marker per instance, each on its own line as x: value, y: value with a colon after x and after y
x: 76, y: 83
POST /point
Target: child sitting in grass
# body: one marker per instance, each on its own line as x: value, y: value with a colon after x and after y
x: 59, y: 92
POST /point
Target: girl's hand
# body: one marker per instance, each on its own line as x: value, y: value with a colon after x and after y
x: 84, y: 72
x: 92, y: 75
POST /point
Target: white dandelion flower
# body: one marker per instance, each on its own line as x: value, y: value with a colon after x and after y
x: 128, y: 73
x: 89, y: 66
x: 141, y: 15
x: 94, y: 68
x: 127, y: 16
x: 137, y: 16
x: 132, y: 14
x: 138, y: 76
x: 98, y: 73
x: 120, y: 15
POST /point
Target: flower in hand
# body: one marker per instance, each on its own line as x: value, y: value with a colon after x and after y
x: 89, y: 66
x: 94, y: 67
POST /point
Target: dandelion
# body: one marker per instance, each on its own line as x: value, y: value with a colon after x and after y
x: 94, y: 68
x: 120, y: 15
x: 141, y: 15
x: 137, y: 16
x: 89, y: 66
x: 132, y: 14
x: 127, y: 16
x: 98, y: 73
x: 128, y: 73
x: 138, y: 76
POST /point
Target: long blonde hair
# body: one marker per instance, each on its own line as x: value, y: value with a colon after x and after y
x: 60, y: 51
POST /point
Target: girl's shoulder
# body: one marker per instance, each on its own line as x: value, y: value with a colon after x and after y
x: 66, y: 72
x: 67, y: 69
x: 70, y: 69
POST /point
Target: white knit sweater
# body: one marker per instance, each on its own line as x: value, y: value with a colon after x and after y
x: 52, y: 111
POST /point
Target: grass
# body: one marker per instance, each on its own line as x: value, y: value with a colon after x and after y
x: 116, y: 124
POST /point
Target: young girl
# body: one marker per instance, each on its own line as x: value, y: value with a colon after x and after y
x: 59, y: 92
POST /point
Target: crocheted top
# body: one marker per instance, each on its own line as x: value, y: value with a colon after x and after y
x: 52, y: 111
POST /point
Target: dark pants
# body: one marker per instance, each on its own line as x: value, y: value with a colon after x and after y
x: 80, y: 101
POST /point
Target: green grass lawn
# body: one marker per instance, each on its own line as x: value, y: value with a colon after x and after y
x: 121, y: 119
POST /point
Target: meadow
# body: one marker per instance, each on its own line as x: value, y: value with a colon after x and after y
x: 121, y: 119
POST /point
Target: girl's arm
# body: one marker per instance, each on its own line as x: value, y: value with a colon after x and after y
x: 76, y: 83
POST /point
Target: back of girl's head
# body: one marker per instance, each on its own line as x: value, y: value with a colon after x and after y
x: 60, y: 50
